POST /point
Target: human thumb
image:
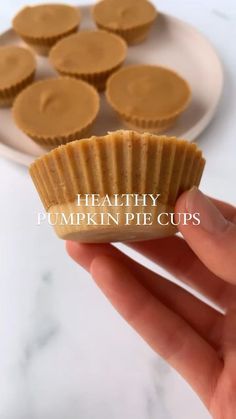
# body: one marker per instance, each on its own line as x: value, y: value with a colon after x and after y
x: 214, y: 239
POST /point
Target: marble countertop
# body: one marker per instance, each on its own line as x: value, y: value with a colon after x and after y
x: 64, y: 352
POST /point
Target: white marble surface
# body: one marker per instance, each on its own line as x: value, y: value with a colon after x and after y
x: 64, y: 352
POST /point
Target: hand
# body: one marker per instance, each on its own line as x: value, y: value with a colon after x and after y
x: 199, y: 341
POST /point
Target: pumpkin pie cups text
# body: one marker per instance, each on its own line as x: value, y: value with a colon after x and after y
x: 55, y: 111
x: 41, y: 26
x: 17, y: 70
x: 148, y: 97
x: 89, y: 55
x: 120, y: 163
x: 130, y: 19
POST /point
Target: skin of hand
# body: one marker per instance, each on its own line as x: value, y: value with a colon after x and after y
x: 196, y: 338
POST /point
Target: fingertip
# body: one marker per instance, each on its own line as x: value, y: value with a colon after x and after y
x: 180, y: 205
x: 73, y: 249
x: 206, y: 236
x: 85, y: 253
x: 114, y: 279
x: 181, y: 208
x: 100, y: 266
x: 70, y: 248
x: 195, y: 203
x: 80, y: 253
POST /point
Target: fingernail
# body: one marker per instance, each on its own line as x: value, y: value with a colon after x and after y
x: 211, y: 219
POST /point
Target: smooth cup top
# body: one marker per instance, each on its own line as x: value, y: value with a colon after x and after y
x: 88, y: 52
x: 46, y: 20
x: 16, y: 64
x: 124, y: 14
x: 56, y: 107
x: 148, y: 92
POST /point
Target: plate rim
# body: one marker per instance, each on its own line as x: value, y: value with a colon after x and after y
x: 26, y: 159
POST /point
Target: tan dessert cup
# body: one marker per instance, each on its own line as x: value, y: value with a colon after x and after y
x: 118, y: 164
x: 41, y: 26
x: 148, y: 97
x: 17, y: 71
x: 56, y: 111
x: 131, y: 19
x: 89, y: 55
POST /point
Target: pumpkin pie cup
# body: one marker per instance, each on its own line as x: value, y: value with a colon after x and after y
x: 17, y: 71
x: 122, y: 162
x: 89, y: 55
x: 56, y: 111
x: 130, y: 19
x: 41, y: 26
x: 148, y: 97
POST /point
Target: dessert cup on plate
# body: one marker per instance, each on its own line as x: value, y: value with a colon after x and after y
x: 89, y: 55
x: 148, y: 97
x: 130, y: 19
x: 17, y: 70
x: 41, y: 26
x: 56, y: 111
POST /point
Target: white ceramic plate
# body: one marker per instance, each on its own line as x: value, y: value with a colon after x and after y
x: 171, y: 43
